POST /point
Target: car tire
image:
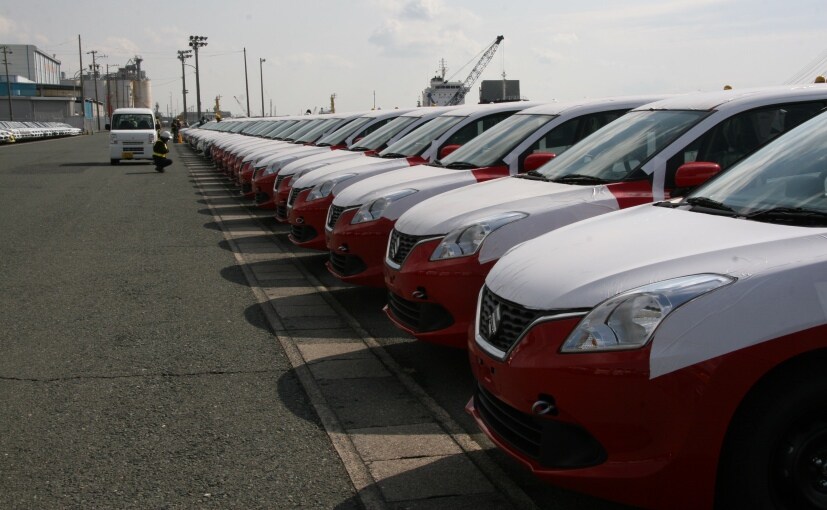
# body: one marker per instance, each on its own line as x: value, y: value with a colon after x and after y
x: 114, y: 161
x: 775, y: 454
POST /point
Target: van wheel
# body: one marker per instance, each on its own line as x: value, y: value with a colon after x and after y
x: 776, y: 451
x: 114, y: 161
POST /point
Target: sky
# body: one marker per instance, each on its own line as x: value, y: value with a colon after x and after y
x: 383, y: 53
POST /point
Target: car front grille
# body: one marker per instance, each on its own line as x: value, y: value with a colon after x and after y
x: 333, y: 215
x: 302, y: 233
x: 421, y: 317
x: 294, y: 193
x: 346, y: 265
x: 281, y: 212
x: 512, y: 320
x: 278, y: 181
x: 400, y: 245
x: 520, y: 430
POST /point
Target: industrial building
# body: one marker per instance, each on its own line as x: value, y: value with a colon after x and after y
x: 34, y: 87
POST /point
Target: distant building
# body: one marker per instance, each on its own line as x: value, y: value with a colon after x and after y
x: 37, y: 93
x: 41, y: 92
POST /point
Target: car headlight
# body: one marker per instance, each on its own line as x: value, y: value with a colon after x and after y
x: 629, y: 319
x: 466, y: 240
x: 326, y: 188
x: 271, y: 169
x: 374, y: 209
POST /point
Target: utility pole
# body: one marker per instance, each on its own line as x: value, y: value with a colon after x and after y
x: 94, y: 67
x: 246, y: 82
x: 261, y: 72
x: 183, y: 55
x: 6, y: 53
x: 197, y: 41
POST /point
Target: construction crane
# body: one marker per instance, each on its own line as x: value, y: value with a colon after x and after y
x: 237, y: 100
x: 487, y: 55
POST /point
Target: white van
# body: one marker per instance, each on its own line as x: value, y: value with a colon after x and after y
x: 132, y: 134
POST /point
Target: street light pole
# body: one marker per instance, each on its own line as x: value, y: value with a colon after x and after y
x: 183, y: 55
x: 261, y: 72
x: 197, y: 41
x: 6, y: 53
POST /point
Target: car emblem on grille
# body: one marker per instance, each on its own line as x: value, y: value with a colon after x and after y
x: 394, y: 247
x: 494, y: 321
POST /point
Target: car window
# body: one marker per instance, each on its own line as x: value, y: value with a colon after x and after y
x: 474, y: 129
x: 572, y: 131
x: 737, y: 136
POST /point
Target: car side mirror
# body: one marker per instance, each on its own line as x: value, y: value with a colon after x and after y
x: 107, y: 127
x: 695, y: 173
x: 536, y: 160
x: 448, y: 149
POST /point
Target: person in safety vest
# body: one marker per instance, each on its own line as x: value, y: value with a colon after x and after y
x: 160, y: 151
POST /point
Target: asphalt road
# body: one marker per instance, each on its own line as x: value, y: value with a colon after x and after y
x: 136, y: 367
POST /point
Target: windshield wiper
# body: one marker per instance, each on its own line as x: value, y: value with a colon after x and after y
x: 533, y: 175
x: 460, y: 165
x: 579, y: 179
x: 710, y: 205
x: 791, y: 215
x: 392, y: 155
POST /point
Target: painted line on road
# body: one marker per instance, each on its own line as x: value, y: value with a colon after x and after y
x: 368, y: 488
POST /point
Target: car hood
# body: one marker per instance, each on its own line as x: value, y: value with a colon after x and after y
x: 420, y: 177
x: 349, y: 166
x: 780, y: 272
x: 460, y: 207
x: 319, y: 160
x: 581, y: 265
x: 280, y: 154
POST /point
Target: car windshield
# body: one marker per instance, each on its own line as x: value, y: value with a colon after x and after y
x: 490, y: 147
x: 618, y: 150
x: 278, y: 128
x: 340, y: 135
x: 123, y: 121
x: 381, y: 136
x: 420, y: 138
x: 317, y: 131
x: 300, y: 130
x: 783, y: 182
x: 253, y: 127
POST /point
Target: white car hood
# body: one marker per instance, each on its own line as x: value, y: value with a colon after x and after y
x: 781, y: 276
x: 461, y: 207
x: 424, y: 178
x: 356, y: 166
x: 319, y: 160
x: 279, y: 155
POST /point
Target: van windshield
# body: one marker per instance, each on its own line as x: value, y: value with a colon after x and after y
x: 122, y: 121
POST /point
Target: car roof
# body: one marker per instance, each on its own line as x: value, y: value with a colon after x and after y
x: 132, y: 110
x: 743, y: 98
x: 596, y: 104
x: 464, y: 111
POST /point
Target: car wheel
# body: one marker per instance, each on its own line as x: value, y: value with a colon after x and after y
x: 114, y: 161
x: 775, y: 456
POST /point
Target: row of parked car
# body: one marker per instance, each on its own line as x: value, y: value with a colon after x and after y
x: 640, y: 282
x: 13, y: 131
